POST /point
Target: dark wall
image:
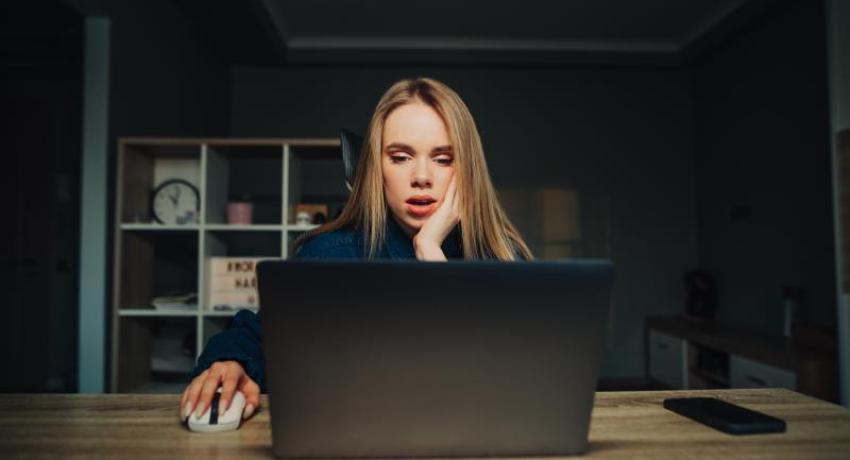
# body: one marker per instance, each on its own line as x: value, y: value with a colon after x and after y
x: 165, y: 79
x: 41, y: 96
x: 620, y: 136
x: 763, y: 167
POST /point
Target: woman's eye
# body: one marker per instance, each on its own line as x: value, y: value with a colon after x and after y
x: 444, y: 160
x: 399, y: 158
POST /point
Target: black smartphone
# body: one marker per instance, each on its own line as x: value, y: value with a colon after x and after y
x: 724, y: 416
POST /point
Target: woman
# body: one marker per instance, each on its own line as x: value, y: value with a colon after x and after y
x: 423, y: 162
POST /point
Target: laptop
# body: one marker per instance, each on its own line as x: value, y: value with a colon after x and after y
x: 413, y: 359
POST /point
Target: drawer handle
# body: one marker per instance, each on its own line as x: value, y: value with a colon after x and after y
x: 757, y: 380
x: 662, y: 346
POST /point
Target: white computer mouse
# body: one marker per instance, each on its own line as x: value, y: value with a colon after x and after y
x: 212, y: 421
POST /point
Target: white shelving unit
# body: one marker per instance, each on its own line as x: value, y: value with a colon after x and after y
x: 152, y: 259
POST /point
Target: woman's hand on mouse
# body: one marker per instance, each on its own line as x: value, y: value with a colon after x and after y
x: 231, y: 376
x: 429, y: 240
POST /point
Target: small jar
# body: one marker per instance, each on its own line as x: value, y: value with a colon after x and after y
x: 239, y: 212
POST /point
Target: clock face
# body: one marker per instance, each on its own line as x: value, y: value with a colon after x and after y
x: 176, y: 202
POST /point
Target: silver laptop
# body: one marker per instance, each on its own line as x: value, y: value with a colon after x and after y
x: 412, y: 359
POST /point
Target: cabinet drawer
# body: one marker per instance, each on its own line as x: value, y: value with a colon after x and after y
x: 667, y: 359
x: 746, y: 373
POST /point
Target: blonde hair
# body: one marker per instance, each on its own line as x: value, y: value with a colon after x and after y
x: 486, y: 231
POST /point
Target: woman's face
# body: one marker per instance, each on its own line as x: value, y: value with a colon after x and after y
x: 417, y: 163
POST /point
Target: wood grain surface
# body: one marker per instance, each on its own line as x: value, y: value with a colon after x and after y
x: 630, y: 425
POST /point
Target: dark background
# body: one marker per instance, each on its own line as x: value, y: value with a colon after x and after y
x: 715, y: 158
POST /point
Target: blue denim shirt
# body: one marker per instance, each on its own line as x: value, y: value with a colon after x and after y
x: 242, y: 341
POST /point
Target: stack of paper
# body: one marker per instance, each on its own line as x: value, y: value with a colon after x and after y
x: 181, y: 302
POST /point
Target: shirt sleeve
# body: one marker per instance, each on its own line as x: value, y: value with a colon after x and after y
x: 241, y: 342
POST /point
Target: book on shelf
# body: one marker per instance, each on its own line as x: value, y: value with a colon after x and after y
x: 232, y: 283
x: 177, y: 302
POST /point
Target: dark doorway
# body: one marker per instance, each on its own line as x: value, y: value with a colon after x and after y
x: 41, y: 96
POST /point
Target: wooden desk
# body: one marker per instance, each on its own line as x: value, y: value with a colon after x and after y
x: 630, y: 425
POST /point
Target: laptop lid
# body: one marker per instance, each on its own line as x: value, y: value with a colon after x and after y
x: 412, y: 359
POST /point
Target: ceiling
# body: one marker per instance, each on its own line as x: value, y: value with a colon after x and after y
x: 286, y: 32
x: 629, y: 25
x: 313, y: 30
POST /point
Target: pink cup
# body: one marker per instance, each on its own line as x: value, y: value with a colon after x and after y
x: 239, y: 212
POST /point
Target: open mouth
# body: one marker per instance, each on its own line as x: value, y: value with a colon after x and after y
x: 421, y: 201
x: 420, y: 206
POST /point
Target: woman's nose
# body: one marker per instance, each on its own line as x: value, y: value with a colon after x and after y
x: 421, y: 174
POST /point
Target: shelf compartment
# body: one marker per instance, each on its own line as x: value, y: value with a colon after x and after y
x: 215, y: 323
x: 702, y: 380
x: 156, y: 354
x: 155, y: 264
x: 223, y: 289
x: 244, y: 173
x: 707, y: 368
x: 241, y: 243
x: 316, y: 176
x: 143, y: 167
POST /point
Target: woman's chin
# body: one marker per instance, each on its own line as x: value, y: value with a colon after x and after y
x: 414, y: 223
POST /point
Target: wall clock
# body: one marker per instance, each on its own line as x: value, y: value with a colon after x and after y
x: 176, y: 202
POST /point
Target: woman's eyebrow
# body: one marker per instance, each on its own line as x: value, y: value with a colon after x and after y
x: 398, y: 146
x: 401, y: 146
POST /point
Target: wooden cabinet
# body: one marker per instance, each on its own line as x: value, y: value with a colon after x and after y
x: 667, y: 363
x: 746, y: 373
x: 154, y: 350
x: 684, y: 353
